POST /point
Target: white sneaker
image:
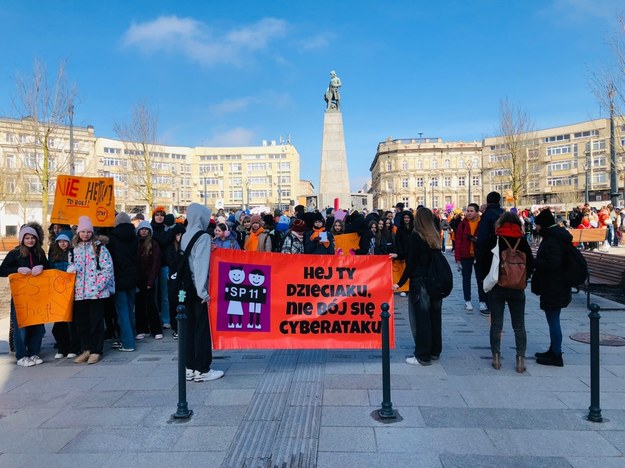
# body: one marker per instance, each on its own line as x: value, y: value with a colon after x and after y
x: 140, y: 336
x: 402, y: 294
x: 210, y: 375
x: 468, y: 306
x: 166, y: 325
x: 190, y: 374
x: 58, y: 356
x: 36, y: 359
x: 158, y: 336
x: 483, y: 306
x: 25, y: 362
x: 71, y: 356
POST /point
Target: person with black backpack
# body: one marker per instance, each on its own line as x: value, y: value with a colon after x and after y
x: 515, y: 267
x: 424, y: 308
x: 199, y: 348
x: 551, y: 283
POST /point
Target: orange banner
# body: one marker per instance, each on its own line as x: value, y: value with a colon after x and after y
x: 45, y: 298
x: 280, y: 301
x: 346, y: 244
x: 398, y: 269
x: 84, y: 196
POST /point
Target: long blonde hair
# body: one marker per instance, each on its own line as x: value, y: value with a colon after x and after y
x: 425, y: 228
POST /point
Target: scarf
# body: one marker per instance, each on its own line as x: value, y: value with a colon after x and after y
x: 251, y: 243
x: 509, y: 230
x: 316, y: 233
x: 298, y: 235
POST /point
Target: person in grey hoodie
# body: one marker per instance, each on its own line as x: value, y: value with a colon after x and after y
x: 199, y: 348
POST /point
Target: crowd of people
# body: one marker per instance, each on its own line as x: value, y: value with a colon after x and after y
x: 124, y: 288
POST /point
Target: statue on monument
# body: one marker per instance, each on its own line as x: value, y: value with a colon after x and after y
x: 332, y: 96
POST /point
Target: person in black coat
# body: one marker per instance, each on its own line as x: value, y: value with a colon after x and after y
x: 162, y: 234
x: 550, y: 283
x: 123, y: 248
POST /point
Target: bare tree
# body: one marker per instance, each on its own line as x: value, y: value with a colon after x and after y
x: 139, y: 137
x: 43, y: 105
x: 516, y: 131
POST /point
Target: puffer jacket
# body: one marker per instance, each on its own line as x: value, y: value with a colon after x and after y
x: 91, y: 282
x: 549, y: 281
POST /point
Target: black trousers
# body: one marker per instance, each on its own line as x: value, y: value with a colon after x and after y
x: 199, y: 347
x: 147, y: 316
x: 66, y: 337
x: 425, y: 318
x: 89, y: 320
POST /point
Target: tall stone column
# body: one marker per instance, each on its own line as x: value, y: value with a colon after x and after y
x: 333, y: 177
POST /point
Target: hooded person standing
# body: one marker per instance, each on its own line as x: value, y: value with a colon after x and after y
x: 162, y: 234
x: 550, y: 283
x: 199, y: 348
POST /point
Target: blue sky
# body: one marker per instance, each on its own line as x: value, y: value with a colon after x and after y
x: 238, y: 72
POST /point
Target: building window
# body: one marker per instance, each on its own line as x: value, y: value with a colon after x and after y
x: 447, y: 181
x: 419, y: 181
x: 389, y: 166
x: 476, y: 163
x: 404, y: 165
x: 461, y: 164
x: 600, y: 178
x: 420, y: 163
x: 435, y: 202
x: 598, y: 145
x: 405, y: 201
x: 10, y: 161
x: 475, y: 180
x: 234, y: 167
x: 551, y: 139
x: 447, y: 164
x: 404, y: 182
x: 499, y: 173
x: 461, y: 181
x: 434, y: 163
x: 555, y: 150
x: 434, y: 182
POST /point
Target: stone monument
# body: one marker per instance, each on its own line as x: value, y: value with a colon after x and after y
x: 333, y: 177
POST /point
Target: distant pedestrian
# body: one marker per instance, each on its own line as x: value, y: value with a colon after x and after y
x: 464, y: 253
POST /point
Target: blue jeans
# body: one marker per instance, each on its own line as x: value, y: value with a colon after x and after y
x: 555, y: 330
x: 163, y: 291
x: 125, y: 307
x: 467, y: 267
x: 445, y: 238
x: 27, y: 340
x: 425, y: 321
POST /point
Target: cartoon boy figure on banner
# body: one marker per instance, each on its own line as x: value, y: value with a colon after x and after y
x: 233, y: 292
x: 257, y: 297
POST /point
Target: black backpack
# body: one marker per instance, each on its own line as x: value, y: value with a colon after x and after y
x: 277, y: 240
x: 575, y: 266
x: 439, y: 281
x: 180, y: 276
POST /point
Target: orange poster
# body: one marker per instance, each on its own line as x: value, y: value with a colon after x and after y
x: 84, y: 196
x: 45, y: 298
x: 280, y: 301
x: 346, y: 243
x: 398, y: 269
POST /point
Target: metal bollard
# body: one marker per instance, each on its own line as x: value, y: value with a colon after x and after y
x: 594, y: 413
x: 386, y: 412
x: 183, y: 411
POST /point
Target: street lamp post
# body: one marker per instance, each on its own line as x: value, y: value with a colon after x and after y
x: 613, y: 171
x: 72, y: 161
x: 587, y: 174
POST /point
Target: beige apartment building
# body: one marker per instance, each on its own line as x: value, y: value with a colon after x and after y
x: 557, y: 165
x: 426, y: 171
x: 257, y: 176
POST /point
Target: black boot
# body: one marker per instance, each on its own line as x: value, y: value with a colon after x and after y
x: 552, y: 359
x: 543, y: 355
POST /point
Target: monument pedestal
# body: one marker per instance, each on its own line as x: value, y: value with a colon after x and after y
x: 333, y: 177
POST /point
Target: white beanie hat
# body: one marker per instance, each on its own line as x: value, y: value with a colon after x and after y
x: 84, y: 224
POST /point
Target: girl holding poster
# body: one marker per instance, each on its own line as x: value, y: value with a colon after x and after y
x: 95, y: 282
x: 28, y: 258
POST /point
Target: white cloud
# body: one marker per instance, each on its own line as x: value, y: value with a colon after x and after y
x: 196, y: 41
x: 319, y: 41
x: 238, y: 136
x: 579, y: 11
x: 267, y: 98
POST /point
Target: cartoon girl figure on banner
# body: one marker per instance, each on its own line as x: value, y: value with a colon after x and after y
x: 233, y: 292
x: 257, y: 297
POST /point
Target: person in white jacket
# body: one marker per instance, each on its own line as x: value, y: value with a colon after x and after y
x: 199, y: 348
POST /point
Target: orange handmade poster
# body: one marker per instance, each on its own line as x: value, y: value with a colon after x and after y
x: 45, y: 298
x: 84, y: 196
x: 346, y: 244
x: 280, y: 301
